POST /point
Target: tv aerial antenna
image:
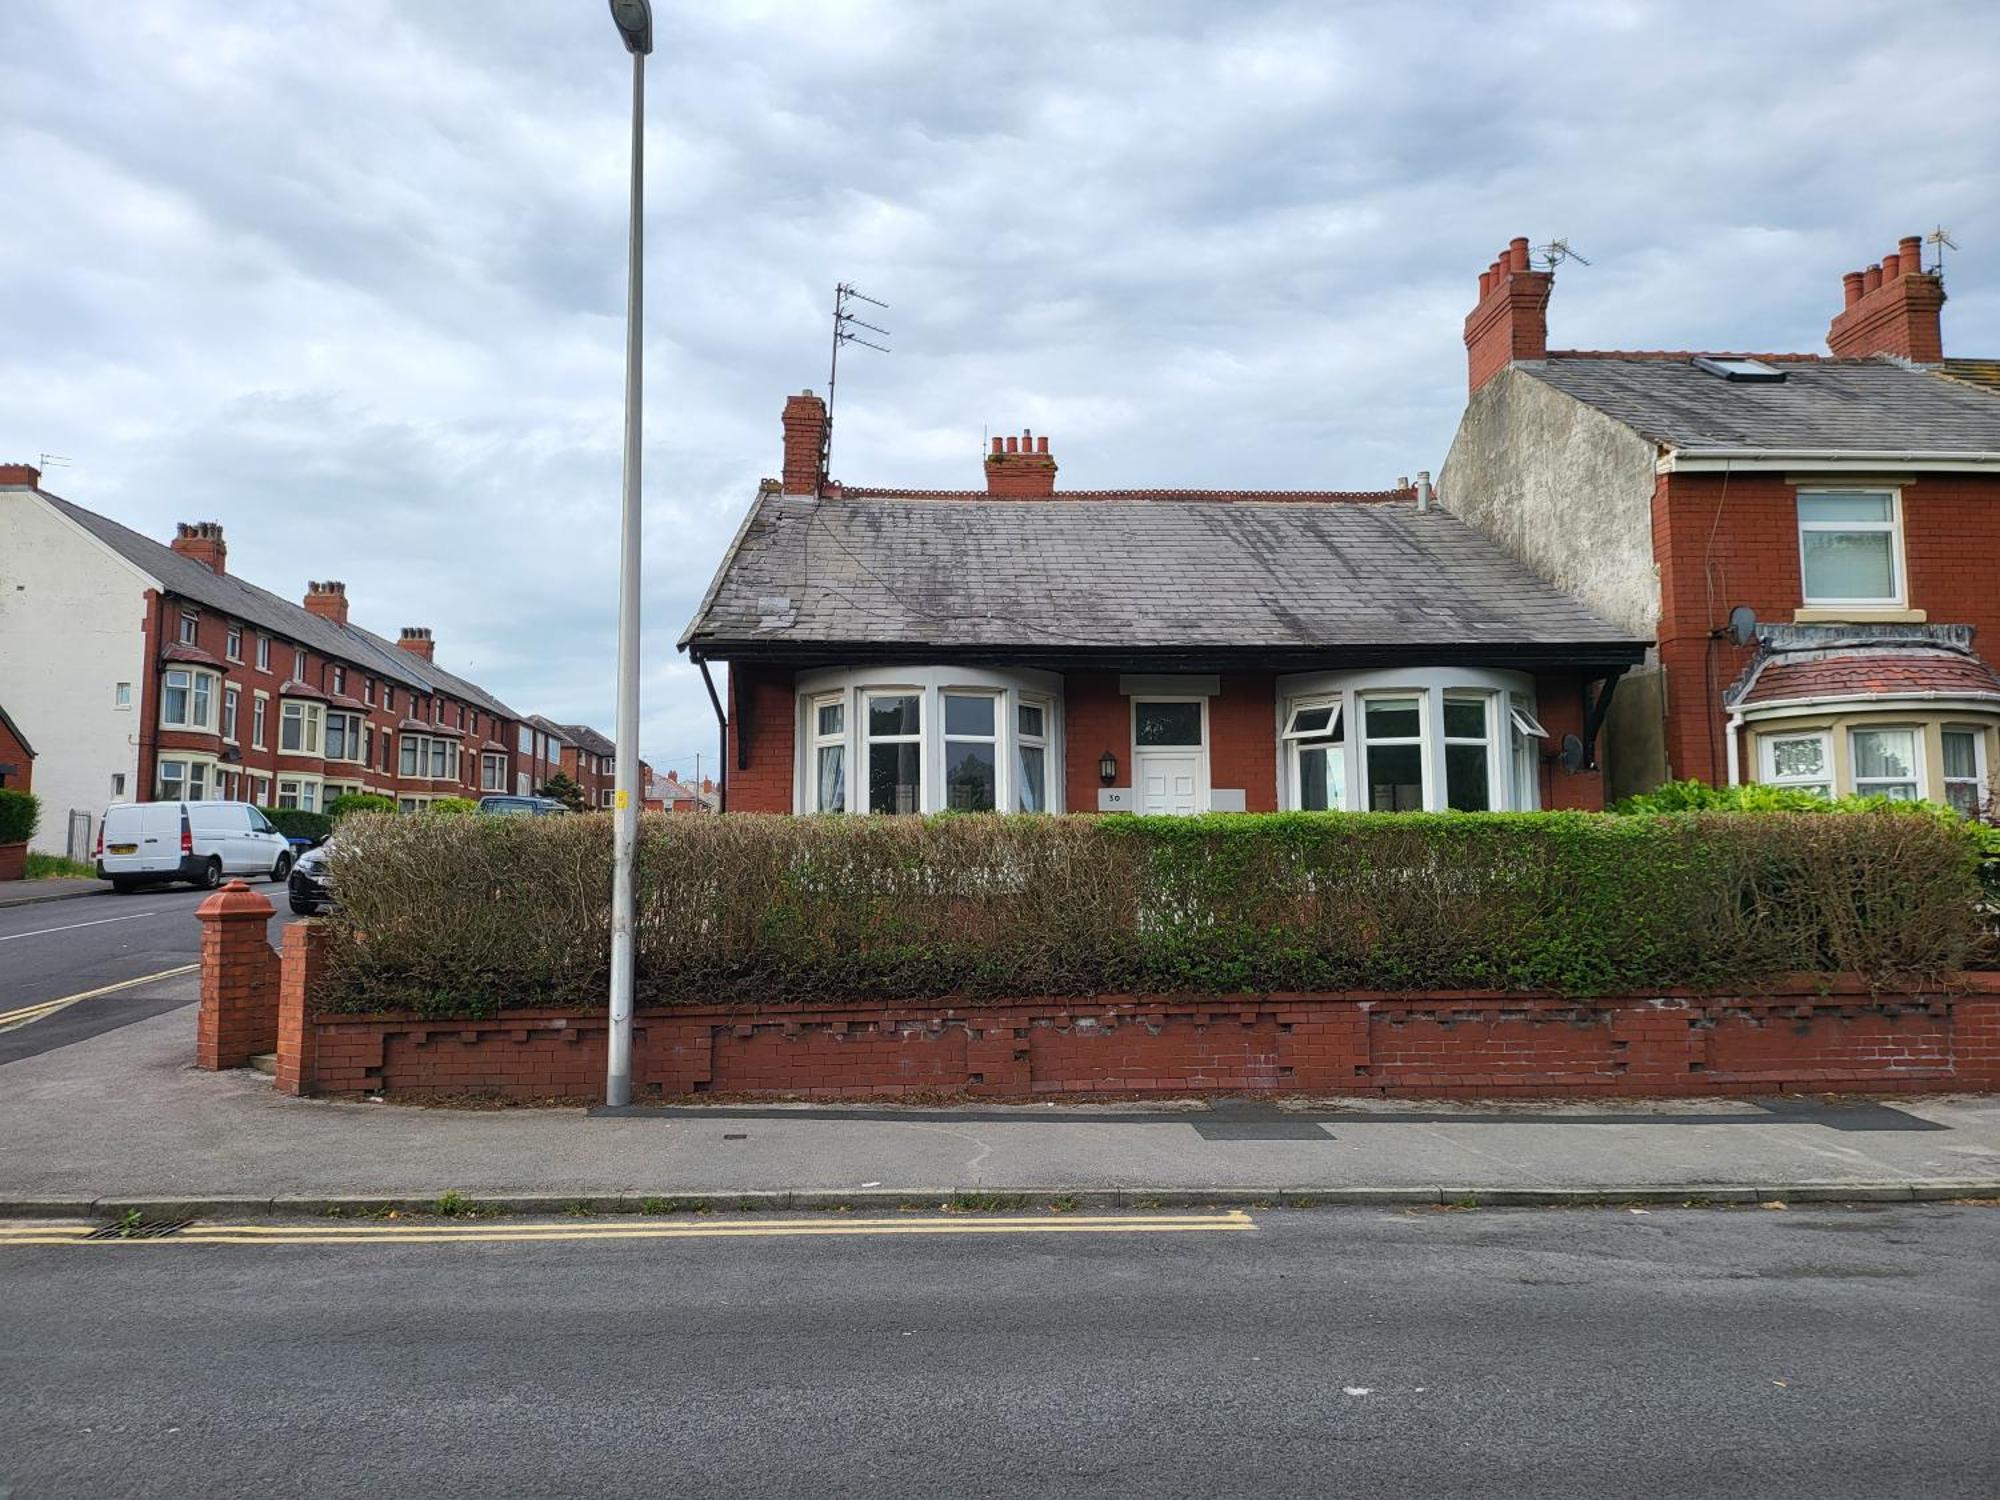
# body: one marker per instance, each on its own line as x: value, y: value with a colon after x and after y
x: 1554, y: 253
x: 1941, y: 238
x: 52, y: 460
x: 845, y: 322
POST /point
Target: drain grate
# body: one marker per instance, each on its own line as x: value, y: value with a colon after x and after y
x: 143, y: 1230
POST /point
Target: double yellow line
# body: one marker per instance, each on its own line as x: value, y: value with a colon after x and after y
x: 12, y: 1018
x: 498, y: 1231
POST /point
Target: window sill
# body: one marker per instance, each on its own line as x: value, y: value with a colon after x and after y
x: 1829, y: 614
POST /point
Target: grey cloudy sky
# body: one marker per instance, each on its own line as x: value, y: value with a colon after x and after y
x: 347, y: 275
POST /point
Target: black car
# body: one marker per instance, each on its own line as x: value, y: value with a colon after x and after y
x: 520, y: 807
x: 311, y: 882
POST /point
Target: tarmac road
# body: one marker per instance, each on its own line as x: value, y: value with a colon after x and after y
x: 1832, y: 1352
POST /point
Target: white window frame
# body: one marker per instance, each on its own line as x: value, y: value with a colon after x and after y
x: 1525, y: 779
x: 121, y: 697
x: 854, y: 686
x: 998, y: 702
x: 869, y: 740
x: 816, y: 743
x: 259, y: 714
x: 1893, y: 528
x: 231, y: 702
x: 1982, y: 787
x: 188, y: 632
x: 1330, y: 737
x: 1867, y: 786
x: 196, y: 783
x: 200, y: 689
x: 492, y: 771
x: 1488, y: 704
x: 298, y: 664
x: 1426, y: 750
x: 305, y: 793
x: 350, y: 733
x: 263, y: 653
x: 1767, y: 761
x: 232, y: 644
x: 311, y: 719
x: 1024, y: 742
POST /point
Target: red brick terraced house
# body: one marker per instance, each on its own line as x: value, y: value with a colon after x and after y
x: 148, y: 670
x: 541, y: 745
x: 1848, y: 502
x: 1030, y: 649
x: 590, y: 760
x: 17, y: 756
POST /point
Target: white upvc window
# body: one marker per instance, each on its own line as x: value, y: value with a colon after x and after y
x: 893, y: 726
x: 301, y: 792
x: 121, y: 695
x: 263, y: 791
x: 1803, y: 761
x: 526, y: 740
x: 340, y: 680
x: 187, y: 699
x: 827, y: 770
x: 1032, y: 717
x: 181, y: 780
x: 343, y: 736
x: 388, y: 698
x: 298, y: 664
x: 190, y: 628
x: 263, y: 653
x: 1468, y: 752
x: 258, y: 704
x: 1851, y: 547
x: 492, y: 772
x: 229, y: 701
x: 1526, y: 743
x: 1887, y: 763
x: 233, y: 643
x: 1314, y: 736
x: 1392, y: 746
x: 1965, y: 785
x: 299, y: 727
x: 971, y: 751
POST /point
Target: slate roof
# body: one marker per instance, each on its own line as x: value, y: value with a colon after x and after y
x: 1059, y: 577
x: 1981, y: 372
x: 1877, y: 405
x: 557, y: 732
x: 587, y: 739
x: 188, y: 579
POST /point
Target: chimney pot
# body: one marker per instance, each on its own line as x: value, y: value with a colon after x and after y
x: 201, y: 541
x: 1485, y: 284
x: 1424, y: 492
x: 1020, y: 467
x: 1517, y: 253
x: 1850, y: 286
x: 1891, y: 308
x: 1013, y: 445
x: 1041, y: 445
x: 997, y: 444
x: 1892, y: 267
x: 1911, y: 249
x: 1871, y: 279
x: 1510, y: 321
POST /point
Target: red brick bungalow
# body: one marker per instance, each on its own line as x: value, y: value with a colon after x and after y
x: 1025, y: 648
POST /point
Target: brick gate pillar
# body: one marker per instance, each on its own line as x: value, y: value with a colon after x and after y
x: 239, y: 979
x: 298, y: 1038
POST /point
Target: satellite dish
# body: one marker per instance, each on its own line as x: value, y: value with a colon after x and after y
x: 1742, y: 627
x: 1572, y: 754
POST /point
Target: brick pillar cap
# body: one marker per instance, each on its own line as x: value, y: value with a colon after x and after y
x: 234, y: 900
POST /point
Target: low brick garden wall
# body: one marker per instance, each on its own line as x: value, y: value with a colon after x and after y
x: 1821, y: 1033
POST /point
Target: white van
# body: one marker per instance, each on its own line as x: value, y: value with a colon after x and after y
x: 146, y: 843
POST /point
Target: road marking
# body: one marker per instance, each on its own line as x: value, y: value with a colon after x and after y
x: 12, y: 1018
x: 130, y: 916
x: 1235, y: 1220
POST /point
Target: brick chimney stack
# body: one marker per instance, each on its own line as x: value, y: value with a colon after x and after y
x: 23, y: 474
x: 1512, y: 319
x: 202, y: 541
x: 1891, y: 308
x: 1020, y: 468
x: 416, y: 639
x: 805, y: 444
x: 327, y: 600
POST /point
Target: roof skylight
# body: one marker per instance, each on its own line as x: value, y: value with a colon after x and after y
x: 1743, y: 371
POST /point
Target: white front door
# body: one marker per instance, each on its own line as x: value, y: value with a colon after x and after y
x: 1170, y: 755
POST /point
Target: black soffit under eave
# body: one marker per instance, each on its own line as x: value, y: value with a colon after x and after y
x: 1596, y: 655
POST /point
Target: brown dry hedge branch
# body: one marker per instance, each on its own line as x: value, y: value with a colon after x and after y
x: 456, y: 917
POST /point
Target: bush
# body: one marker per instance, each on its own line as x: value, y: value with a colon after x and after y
x: 1699, y: 796
x: 297, y: 823
x: 454, y: 807
x: 359, y: 802
x: 463, y: 917
x: 20, y: 815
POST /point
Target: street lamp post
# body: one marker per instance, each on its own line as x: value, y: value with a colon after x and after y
x: 634, y: 19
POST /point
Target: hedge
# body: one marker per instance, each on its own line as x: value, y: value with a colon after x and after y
x: 349, y: 803
x: 297, y: 823
x: 467, y: 916
x: 20, y: 815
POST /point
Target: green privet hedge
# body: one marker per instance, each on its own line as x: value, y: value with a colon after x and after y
x: 454, y: 807
x: 466, y: 916
x: 20, y: 815
x: 359, y: 802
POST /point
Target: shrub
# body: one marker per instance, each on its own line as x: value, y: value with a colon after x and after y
x: 20, y: 815
x: 297, y: 823
x: 1699, y: 796
x: 454, y: 807
x: 465, y: 916
x: 566, y: 790
x: 359, y: 802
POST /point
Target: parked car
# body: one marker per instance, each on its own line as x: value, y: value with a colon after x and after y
x: 152, y: 843
x: 520, y: 807
x: 311, y: 885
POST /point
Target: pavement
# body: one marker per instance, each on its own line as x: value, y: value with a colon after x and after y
x: 61, y: 888
x: 1838, y: 1353
x: 121, y: 1116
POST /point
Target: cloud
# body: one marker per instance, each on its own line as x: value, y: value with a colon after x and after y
x: 350, y: 276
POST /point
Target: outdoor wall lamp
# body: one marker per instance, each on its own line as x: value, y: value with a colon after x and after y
x: 1107, y: 767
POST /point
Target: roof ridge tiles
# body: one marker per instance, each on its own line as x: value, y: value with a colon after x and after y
x: 1688, y: 354
x: 1221, y: 496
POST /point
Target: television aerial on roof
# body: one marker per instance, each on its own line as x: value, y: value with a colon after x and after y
x: 1554, y: 253
x: 1941, y: 238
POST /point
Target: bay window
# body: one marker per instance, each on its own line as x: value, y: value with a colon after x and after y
x: 929, y: 739
x: 493, y: 772
x: 301, y: 792
x: 429, y: 757
x: 1409, y: 739
x: 1803, y: 761
x: 343, y: 736
x: 181, y: 780
x: 187, y: 699
x: 299, y: 726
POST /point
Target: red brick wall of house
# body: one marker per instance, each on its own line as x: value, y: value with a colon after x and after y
x: 212, y: 630
x: 1398, y: 1045
x: 1951, y: 548
x: 1242, y: 723
x: 14, y: 753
